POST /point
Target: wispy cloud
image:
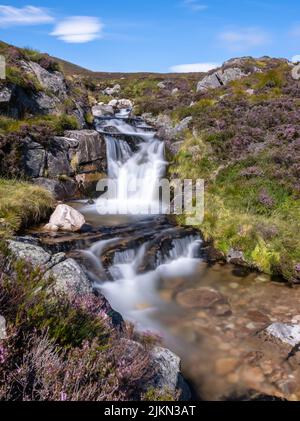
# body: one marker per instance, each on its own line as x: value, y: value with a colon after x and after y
x: 194, y: 68
x: 194, y: 5
x: 243, y: 39
x: 78, y: 29
x: 28, y: 15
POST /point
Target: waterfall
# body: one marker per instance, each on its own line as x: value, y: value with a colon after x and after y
x: 130, y: 275
x: 136, y: 174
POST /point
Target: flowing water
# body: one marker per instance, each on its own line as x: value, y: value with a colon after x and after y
x: 156, y: 275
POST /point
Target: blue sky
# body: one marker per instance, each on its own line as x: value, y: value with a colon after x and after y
x: 139, y: 35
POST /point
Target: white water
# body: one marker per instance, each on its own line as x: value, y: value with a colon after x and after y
x: 135, y: 174
x: 130, y: 292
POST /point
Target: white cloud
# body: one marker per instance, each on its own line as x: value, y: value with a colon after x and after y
x: 194, y: 68
x: 28, y: 15
x: 78, y: 29
x: 296, y: 58
x: 194, y: 5
x: 244, y: 38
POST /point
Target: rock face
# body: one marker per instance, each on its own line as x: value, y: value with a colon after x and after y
x: 53, y: 82
x: 220, y: 78
x: 79, y: 151
x: 65, y: 218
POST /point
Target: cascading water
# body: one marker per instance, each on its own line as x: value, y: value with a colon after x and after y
x: 136, y: 173
x: 130, y: 288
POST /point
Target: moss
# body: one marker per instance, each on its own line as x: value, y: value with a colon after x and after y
x: 21, y: 204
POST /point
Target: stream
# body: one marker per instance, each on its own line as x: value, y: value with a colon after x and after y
x: 157, y: 276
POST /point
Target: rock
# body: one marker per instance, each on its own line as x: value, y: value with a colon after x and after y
x: 168, y: 375
x: 220, y: 78
x: 175, y: 91
x: 3, y: 332
x: 58, y: 161
x: 250, y: 91
x: 288, y: 334
x: 183, y: 125
x: 112, y: 91
x: 60, y: 190
x: 161, y: 85
x: 34, y: 158
x: 53, y: 82
x: 91, y: 148
x: 5, y: 95
x: 102, y: 110
x: 66, y: 219
x: 204, y: 297
x: 46, y: 104
x: 70, y: 278
x: 121, y: 104
x: 26, y: 249
x: 236, y: 257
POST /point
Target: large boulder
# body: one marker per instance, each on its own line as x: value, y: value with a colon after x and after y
x: 70, y: 278
x: 27, y: 249
x: 53, y: 82
x: 65, y: 218
x: 220, y: 78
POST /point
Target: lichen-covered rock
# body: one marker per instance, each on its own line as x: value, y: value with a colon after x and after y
x: 168, y: 374
x: 70, y: 278
x: 236, y: 257
x: 65, y: 218
x: 220, y: 78
x: 26, y: 249
x: 53, y: 82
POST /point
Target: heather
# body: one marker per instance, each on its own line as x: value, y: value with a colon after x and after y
x: 65, y: 348
x: 246, y: 145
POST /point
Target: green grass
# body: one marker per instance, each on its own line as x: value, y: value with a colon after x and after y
x: 21, y: 204
x: 235, y: 216
x: 58, y: 124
